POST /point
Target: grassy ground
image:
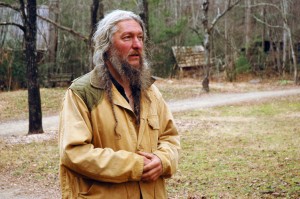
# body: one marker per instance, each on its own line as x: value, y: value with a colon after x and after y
x: 14, y: 105
x: 243, y: 151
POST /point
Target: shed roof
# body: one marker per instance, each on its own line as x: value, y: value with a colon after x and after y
x: 189, y: 56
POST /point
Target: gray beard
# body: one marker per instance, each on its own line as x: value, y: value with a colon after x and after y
x: 139, y: 78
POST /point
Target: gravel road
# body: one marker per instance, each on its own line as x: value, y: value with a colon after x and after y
x: 50, y: 123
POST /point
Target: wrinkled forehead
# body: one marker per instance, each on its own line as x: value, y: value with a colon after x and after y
x: 130, y: 25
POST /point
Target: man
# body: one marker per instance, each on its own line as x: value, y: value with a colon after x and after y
x: 117, y: 136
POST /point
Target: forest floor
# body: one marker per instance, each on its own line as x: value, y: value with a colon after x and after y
x: 13, y: 133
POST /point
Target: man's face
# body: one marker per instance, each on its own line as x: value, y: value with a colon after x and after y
x: 128, y: 42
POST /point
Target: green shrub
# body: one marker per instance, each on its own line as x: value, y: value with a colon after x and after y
x: 242, y: 65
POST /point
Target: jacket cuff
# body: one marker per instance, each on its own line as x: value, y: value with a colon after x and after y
x: 139, y: 169
x: 165, y: 165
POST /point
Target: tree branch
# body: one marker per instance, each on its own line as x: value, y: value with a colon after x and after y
x: 220, y: 15
x: 2, y: 4
x: 265, y: 23
x: 266, y: 4
x: 274, y: 6
x: 23, y: 13
x: 196, y: 31
x: 73, y: 32
x: 12, y: 24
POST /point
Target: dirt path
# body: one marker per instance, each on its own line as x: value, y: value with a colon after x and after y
x: 50, y: 123
x: 212, y: 100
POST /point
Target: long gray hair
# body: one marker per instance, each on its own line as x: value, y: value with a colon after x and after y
x: 106, y: 28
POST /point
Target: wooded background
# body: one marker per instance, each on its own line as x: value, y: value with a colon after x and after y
x: 255, y: 36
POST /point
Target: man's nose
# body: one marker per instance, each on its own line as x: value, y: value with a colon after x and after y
x: 137, y: 43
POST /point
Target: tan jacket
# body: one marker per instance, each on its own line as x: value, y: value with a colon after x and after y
x: 99, y: 159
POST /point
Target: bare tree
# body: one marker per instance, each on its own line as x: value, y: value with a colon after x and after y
x: 287, y: 33
x: 208, y: 28
x: 29, y: 16
x: 34, y: 98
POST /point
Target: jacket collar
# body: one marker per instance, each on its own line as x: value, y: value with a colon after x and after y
x: 99, y: 77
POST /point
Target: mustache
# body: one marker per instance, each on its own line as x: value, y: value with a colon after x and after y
x: 136, y: 53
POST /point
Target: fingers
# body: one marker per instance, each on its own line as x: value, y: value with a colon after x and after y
x: 151, y: 175
x: 152, y: 167
x: 155, y: 162
x: 149, y: 161
x: 147, y: 155
x: 146, y: 161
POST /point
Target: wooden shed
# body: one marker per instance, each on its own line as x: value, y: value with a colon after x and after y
x: 189, y: 59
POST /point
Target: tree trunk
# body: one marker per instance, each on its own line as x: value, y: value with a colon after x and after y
x: 296, y: 80
x: 284, y: 51
x: 144, y: 14
x: 230, y: 69
x: 34, y: 99
x: 206, y: 42
x: 208, y: 30
x: 278, y: 58
x: 97, y: 14
x: 273, y: 50
x: 53, y: 32
x: 288, y: 35
x: 248, y: 28
x: 263, y: 34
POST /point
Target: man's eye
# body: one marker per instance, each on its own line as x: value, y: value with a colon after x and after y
x: 141, y: 38
x: 126, y: 37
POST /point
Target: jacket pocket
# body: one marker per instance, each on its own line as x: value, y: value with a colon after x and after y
x: 153, y: 123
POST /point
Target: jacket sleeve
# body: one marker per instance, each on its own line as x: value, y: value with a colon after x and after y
x: 79, y: 154
x: 168, y: 139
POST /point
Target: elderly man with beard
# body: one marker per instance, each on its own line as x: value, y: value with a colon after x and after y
x: 117, y: 137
